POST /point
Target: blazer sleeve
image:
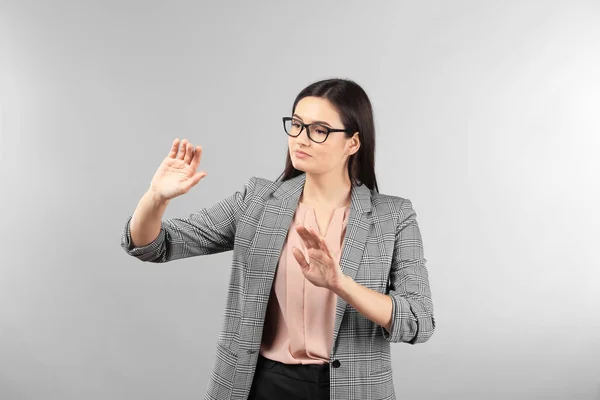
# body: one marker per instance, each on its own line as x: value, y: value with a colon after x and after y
x: 412, y: 309
x: 207, y: 231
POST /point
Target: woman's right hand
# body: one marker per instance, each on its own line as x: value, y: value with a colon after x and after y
x: 177, y: 173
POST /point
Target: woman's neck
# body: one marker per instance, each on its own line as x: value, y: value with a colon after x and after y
x: 323, y: 191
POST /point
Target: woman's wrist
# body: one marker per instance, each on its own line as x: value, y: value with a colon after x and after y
x: 156, y: 198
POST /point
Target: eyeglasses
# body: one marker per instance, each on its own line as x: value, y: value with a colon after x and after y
x: 316, y: 132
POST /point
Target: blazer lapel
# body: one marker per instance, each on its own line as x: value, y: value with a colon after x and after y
x: 357, y: 230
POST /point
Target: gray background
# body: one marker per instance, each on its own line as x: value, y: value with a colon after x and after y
x: 487, y: 117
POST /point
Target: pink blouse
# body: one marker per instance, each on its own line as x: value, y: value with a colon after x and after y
x: 298, y: 327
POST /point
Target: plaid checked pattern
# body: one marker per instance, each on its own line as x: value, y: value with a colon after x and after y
x: 382, y: 250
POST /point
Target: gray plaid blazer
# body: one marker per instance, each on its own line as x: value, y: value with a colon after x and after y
x: 382, y: 250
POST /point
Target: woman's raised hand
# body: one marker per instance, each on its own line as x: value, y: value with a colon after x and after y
x: 178, y: 172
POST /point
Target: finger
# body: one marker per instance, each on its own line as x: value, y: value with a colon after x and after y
x: 300, y: 258
x: 181, y: 153
x: 305, y: 236
x: 174, y: 148
x: 312, y: 236
x: 324, y: 247
x: 189, y: 153
x: 197, y: 157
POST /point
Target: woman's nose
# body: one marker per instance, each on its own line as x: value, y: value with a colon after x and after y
x: 303, y: 137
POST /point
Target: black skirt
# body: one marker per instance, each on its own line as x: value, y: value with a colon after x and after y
x: 274, y: 380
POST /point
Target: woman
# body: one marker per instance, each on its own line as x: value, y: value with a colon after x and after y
x: 326, y: 272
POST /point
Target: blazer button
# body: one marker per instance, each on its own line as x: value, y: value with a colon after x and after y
x: 251, y: 351
x: 336, y: 364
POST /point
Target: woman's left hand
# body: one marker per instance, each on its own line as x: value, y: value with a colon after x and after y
x: 321, y: 270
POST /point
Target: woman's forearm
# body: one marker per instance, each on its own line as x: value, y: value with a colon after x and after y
x: 373, y: 305
x: 145, y: 223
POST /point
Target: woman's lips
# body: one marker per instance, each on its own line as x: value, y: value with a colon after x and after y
x: 300, y: 154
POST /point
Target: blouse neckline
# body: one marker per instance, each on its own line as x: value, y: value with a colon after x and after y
x: 311, y: 207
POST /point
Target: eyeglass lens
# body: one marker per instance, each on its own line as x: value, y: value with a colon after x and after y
x: 293, y: 127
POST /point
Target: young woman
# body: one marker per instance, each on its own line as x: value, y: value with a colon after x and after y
x: 326, y: 271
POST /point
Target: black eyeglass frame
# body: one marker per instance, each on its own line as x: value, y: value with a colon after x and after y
x: 307, y: 126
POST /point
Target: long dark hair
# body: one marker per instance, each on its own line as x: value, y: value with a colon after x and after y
x: 356, y: 112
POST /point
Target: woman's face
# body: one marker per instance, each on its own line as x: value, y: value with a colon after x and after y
x: 325, y: 157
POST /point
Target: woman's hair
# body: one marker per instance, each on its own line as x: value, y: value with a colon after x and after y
x: 356, y: 113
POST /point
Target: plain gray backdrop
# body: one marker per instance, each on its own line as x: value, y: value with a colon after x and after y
x: 487, y: 117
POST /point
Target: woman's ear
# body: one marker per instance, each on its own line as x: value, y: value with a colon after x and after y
x: 353, y: 143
